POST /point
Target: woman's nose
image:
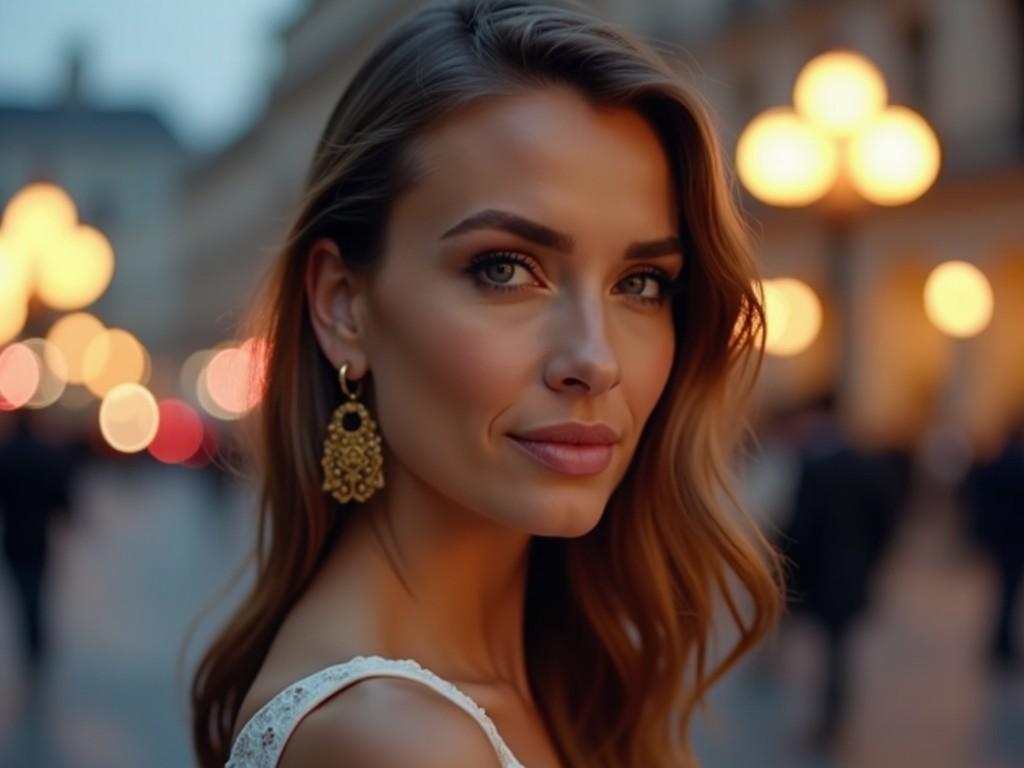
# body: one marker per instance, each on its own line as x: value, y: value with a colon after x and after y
x: 582, y: 353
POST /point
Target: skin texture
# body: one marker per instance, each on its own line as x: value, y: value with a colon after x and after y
x: 433, y: 566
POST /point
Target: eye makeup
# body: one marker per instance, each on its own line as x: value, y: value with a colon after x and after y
x: 667, y: 286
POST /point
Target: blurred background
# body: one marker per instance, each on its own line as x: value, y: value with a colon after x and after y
x: 150, y: 158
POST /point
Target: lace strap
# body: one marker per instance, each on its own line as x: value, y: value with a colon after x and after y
x: 262, y: 740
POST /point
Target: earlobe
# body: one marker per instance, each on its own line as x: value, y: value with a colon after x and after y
x: 331, y: 292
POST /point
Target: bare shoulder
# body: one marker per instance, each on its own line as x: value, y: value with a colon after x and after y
x: 387, y: 722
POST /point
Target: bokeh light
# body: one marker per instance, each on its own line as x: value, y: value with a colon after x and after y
x: 233, y: 379
x: 36, y: 215
x: 129, y: 418
x: 16, y: 281
x: 53, y: 370
x: 958, y: 299
x: 113, y: 356
x: 74, y: 269
x: 15, y: 289
x: 895, y: 158
x: 840, y: 91
x: 71, y: 334
x: 13, y: 316
x: 180, y: 433
x: 207, y: 402
x: 19, y: 376
x: 793, y: 316
x: 784, y: 160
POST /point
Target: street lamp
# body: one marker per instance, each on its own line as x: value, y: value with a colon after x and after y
x: 839, y: 124
x: 839, y: 142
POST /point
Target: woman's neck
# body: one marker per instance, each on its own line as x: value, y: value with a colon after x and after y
x: 445, y: 590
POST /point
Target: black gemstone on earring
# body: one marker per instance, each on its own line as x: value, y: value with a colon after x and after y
x: 351, y: 421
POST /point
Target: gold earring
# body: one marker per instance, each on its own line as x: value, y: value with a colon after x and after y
x: 352, y: 461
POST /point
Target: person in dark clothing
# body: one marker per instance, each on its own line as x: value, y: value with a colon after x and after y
x: 844, y: 509
x: 35, y: 479
x: 995, y: 492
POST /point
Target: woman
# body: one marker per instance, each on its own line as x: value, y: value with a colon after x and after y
x: 519, y: 284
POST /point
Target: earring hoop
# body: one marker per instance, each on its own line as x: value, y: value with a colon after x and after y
x: 344, y: 383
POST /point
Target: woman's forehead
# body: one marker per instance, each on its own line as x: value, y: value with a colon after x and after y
x: 544, y: 150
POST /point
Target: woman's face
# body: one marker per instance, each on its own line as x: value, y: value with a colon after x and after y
x: 573, y: 331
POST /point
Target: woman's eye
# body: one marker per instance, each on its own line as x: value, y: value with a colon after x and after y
x: 495, y: 271
x: 653, y: 286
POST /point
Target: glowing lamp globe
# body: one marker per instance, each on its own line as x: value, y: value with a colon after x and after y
x: 895, y: 158
x: 840, y: 91
x: 793, y: 316
x: 958, y: 299
x: 784, y: 160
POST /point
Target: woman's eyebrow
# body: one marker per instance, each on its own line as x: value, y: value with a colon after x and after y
x: 535, y: 232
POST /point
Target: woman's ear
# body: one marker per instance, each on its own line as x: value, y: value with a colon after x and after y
x: 333, y: 292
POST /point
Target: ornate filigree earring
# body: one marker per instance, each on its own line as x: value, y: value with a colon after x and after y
x: 352, y: 461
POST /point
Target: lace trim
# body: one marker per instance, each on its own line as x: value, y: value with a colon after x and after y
x: 262, y: 739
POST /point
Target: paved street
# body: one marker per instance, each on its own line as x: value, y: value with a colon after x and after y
x: 150, y: 545
x: 147, y: 549
x: 921, y: 693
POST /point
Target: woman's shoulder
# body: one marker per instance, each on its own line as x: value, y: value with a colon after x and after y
x: 378, y: 721
x: 387, y: 722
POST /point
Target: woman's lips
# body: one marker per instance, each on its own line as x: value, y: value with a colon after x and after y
x: 570, y: 459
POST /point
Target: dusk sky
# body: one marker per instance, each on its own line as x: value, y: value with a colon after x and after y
x: 204, y: 65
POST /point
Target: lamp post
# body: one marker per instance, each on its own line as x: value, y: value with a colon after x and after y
x: 842, y: 145
x: 959, y: 303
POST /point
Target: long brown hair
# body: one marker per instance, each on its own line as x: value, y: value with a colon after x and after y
x: 618, y: 621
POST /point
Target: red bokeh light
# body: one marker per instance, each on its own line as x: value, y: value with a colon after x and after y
x: 180, y: 433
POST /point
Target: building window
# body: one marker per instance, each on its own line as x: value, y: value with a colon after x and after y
x: 917, y: 40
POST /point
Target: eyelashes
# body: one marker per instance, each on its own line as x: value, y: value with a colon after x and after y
x: 667, y: 287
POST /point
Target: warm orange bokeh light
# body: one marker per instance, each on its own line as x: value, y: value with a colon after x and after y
x: 840, y: 91
x: 895, y: 159
x: 793, y: 316
x: 958, y: 299
x: 15, y: 289
x: 36, y: 215
x: 74, y: 269
x: 113, y: 356
x: 785, y: 160
x: 71, y: 335
x: 16, y: 280
x: 13, y: 316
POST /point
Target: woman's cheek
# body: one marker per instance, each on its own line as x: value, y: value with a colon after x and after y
x: 465, y: 360
x: 648, y: 372
x: 477, y: 363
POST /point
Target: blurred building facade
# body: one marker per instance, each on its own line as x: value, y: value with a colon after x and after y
x: 123, y: 169
x: 961, y: 64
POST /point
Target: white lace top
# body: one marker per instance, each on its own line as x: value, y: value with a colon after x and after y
x: 262, y: 739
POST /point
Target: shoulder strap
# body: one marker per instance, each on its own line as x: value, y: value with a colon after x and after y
x: 262, y: 739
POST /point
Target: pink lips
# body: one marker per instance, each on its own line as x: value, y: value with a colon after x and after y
x: 571, y: 448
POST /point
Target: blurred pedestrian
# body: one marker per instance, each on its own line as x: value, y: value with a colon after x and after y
x: 844, y: 508
x: 35, y: 479
x: 995, y: 490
